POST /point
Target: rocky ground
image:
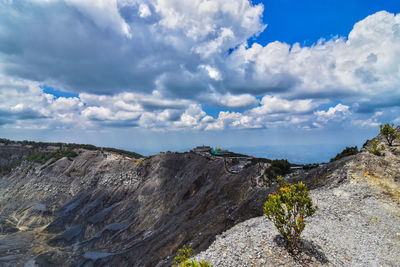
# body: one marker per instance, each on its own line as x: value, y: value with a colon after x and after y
x: 357, y: 223
x: 100, y: 208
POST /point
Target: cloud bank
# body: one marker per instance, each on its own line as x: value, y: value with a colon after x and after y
x: 158, y: 64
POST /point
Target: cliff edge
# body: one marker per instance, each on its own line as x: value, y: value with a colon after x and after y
x: 80, y: 207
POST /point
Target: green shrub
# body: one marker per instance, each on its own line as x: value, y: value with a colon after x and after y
x: 189, y: 263
x: 39, y: 157
x: 389, y: 132
x: 43, y: 157
x: 60, y: 153
x: 287, y: 209
x: 375, y: 149
x: 182, y: 259
x: 348, y: 151
x: 279, y: 167
x: 182, y: 256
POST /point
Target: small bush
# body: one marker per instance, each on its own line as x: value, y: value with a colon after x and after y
x: 182, y: 256
x: 375, y: 149
x: 182, y: 259
x: 189, y: 263
x: 287, y: 209
x: 389, y: 132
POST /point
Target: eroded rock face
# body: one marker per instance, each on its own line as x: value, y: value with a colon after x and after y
x: 101, y: 208
x: 381, y: 172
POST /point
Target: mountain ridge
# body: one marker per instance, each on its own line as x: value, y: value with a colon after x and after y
x: 103, y: 208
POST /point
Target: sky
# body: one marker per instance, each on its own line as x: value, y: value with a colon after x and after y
x: 276, y: 78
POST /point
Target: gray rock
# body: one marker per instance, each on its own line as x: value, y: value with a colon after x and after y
x: 138, y: 213
x: 357, y: 223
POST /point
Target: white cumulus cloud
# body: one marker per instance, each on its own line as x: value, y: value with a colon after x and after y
x: 339, y: 112
x: 156, y: 63
x: 272, y: 104
x: 144, y: 11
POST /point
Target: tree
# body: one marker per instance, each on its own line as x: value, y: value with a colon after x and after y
x: 389, y: 132
x: 287, y: 209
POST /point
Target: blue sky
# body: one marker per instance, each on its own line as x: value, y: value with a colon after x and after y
x: 57, y: 93
x: 307, y: 21
x: 278, y: 78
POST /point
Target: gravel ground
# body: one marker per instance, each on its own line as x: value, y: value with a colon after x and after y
x: 354, y: 226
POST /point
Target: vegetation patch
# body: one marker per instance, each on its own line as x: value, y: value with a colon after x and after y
x: 287, y: 209
x: 43, y: 157
x: 182, y: 259
x: 7, y: 168
x: 279, y: 167
x: 70, y: 146
x: 348, y: 151
x: 189, y: 263
x: 123, y: 152
x: 376, y: 150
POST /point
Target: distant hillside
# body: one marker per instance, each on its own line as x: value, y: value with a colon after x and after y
x: 70, y: 146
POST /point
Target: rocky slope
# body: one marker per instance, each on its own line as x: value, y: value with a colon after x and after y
x: 99, y: 208
x: 357, y: 224
x: 96, y: 208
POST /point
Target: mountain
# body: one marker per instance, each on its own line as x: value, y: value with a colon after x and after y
x: 78, y: 205
x: 357, y: 223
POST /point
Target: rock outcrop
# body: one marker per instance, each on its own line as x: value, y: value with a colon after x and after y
x: 357, y: 223
x: 101, y: 208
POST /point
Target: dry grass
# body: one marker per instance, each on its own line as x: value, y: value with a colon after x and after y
x: 388, y: 187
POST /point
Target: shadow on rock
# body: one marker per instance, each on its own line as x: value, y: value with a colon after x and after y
x: 306, y: 253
